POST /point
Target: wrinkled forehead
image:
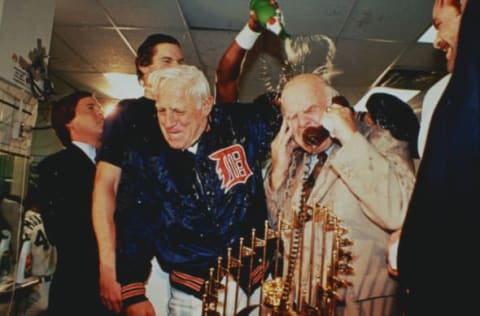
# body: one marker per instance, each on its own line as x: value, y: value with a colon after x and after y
x: 301, y: 95
x: 173, y: 91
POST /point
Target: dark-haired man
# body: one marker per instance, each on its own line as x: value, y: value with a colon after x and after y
x: 132, y: 123
x: 446, y: 19
x: 441, y: 226
x: 65, y: 193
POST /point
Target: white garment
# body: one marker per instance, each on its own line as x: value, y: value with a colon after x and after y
x: 158, y: 288
x: 88, y: 149
x: 167, y: 300
x: 42, y: 265
x: 429, y: 104
x: 184, y: 304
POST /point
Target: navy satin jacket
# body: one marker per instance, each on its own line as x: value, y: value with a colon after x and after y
x: 187, y: 209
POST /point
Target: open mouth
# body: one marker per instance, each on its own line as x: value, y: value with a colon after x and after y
x: 315, y: 135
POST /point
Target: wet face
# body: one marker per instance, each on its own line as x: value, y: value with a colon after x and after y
x: 446, y: 19
x: 87, y: 124
x: 303, y: 102
x: 182, y: 117
x: 165, y: 55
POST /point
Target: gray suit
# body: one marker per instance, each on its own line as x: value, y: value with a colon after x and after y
x: 367, y: 184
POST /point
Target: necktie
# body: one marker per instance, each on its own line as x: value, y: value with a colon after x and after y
x: 310, y: 182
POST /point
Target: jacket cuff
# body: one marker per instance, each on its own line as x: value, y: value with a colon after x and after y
x: 133, y: 293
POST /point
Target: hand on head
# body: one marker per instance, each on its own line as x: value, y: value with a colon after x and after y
x: 340, y: 122
x: 282, y: 149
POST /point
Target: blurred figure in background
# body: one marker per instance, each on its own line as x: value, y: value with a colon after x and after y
x: 396, y: 116
x: 42, y: 259
x: 65, y: 184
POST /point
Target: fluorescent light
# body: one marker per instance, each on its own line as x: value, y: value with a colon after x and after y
x: 108, y: 109
x: 428, y: 36
x: 402, y: 94
x: 123, y: 86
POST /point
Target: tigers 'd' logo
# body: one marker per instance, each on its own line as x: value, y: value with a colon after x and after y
x: 232, y: 166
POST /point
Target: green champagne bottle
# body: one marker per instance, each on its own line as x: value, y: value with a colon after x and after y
x: 269, y: 17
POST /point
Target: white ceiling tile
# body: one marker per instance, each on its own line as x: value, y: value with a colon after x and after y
x: 85, y: 44
x: 389, y: 20
x: 362, y: 62
x: 145, y: 13
x: 74, y: 12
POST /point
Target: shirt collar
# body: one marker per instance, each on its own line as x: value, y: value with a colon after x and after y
x: 88, y: 149
x: 193, y: 148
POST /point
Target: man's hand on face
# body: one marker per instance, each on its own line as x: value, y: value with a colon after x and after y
x: 282, y: 149
x: 340, y: 122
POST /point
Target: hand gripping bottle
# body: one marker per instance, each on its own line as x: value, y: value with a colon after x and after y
x: 269, y: 17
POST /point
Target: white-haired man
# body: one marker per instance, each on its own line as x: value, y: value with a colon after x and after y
x: 197, y: 196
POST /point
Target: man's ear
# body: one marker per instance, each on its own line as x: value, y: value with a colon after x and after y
x: 145, y: 70
x: 207, y: 105
x: 69, y: 127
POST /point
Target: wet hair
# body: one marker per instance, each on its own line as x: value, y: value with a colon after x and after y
x: 391, y: 113
x: 146, y: 50
x: 318, y: 81
x: 343, y: 101
x: 63, y: 112
x: 196, y: 83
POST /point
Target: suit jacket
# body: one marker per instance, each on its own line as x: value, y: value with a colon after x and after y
x: 441, y: 227
x: 367, y: 185
x: 65, y: 187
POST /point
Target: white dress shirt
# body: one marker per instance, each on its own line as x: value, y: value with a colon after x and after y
x: 88, y: 149
x: 429, y: 104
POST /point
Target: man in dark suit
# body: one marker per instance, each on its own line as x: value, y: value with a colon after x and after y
x: 65, y: 195
x: 441, y: 227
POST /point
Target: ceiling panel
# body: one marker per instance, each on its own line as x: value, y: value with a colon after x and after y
x: 145, y: 13
x: 215, y: 14
x: 212, y: 44
x: 307, y: 17
x: 370, y: 36
x: 63, y: 57
x: 361, y: 62
x: 74, y: 12
x: 422, y: 56
x: 389, y: 20
x: 111, y: 56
